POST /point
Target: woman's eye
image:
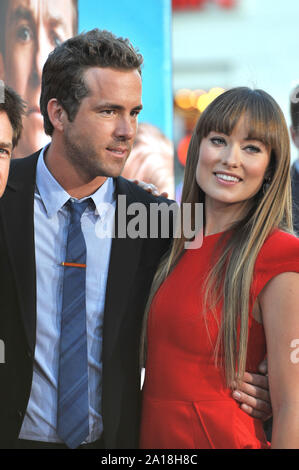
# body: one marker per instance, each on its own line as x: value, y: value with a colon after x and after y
x: 217, y: 140
x: 253, y: 149
x: 107, y: 112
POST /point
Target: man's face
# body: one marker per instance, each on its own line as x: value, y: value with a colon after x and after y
x: 6, y: 134
x: 99, y: 140
x: 34, y: 28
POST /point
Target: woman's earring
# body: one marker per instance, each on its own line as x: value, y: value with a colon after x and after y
x: 266, y: 185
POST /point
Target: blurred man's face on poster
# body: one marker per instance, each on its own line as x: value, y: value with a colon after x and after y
x: 33, y: 29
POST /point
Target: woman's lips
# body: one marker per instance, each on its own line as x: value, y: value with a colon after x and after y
x: 227, y: 179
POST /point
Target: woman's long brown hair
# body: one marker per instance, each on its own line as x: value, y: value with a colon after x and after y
x: 230, y: 278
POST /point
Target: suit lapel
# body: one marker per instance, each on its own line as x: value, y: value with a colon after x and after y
x: 17, y: 216
x: 17, y: 213
x: 124, y: 258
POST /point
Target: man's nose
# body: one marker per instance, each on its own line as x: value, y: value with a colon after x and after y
x: 125, y: 128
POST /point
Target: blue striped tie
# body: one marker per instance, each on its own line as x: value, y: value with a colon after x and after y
x: 72, y: 410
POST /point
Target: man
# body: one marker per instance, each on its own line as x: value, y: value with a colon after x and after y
x: 29, y: 30
x: 90, y: 100
x: 11, y: 112
x: 294, y: 129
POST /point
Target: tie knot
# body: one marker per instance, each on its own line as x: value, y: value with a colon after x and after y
x: 77, y: 208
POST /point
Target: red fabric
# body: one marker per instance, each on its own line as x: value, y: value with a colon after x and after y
x: 185, y: 401
x: 197, y: 4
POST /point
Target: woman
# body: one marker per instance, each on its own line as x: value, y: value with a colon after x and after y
x: 215, y: 310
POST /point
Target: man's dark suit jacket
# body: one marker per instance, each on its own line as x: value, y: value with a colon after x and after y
x: 133, y: 263
x: 295, y: 196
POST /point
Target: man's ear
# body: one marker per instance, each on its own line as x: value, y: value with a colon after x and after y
x: 56, y: 114
x: 2, y: 70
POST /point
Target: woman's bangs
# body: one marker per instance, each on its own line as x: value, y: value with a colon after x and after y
x: 219, y: 116
x: 262, y: 124
x: 224, y: 112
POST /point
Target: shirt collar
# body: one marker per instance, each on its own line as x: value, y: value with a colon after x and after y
x: 54, y: 196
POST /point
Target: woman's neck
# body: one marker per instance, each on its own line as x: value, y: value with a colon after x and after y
x: 220, y: 217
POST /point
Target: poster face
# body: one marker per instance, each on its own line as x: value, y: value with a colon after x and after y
x: 31, y: 29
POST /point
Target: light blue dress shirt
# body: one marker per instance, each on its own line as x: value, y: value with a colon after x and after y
x: 51, y: 220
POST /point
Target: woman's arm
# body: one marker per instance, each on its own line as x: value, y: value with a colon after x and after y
x: 279, y: 302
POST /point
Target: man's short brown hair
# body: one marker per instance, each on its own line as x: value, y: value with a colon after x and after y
x: 14, y: 107
x: 63, y: 71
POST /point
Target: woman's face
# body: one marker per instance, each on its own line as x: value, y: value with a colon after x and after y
x: 231, y: 168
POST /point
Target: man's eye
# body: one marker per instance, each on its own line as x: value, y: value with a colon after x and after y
x: 24, y: 34
x: 108, y: 112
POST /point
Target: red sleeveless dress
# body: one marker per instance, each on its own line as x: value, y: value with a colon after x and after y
x: 186, y: 404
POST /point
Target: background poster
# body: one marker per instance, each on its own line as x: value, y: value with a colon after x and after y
x: 30, y: 29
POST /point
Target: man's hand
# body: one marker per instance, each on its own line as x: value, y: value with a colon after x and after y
x: 150, y: 188
x: 253, y: 394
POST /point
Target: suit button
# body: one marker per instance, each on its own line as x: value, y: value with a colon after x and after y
x: 20, y: 414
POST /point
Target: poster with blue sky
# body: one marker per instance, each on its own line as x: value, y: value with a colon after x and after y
x: 148, y: 25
